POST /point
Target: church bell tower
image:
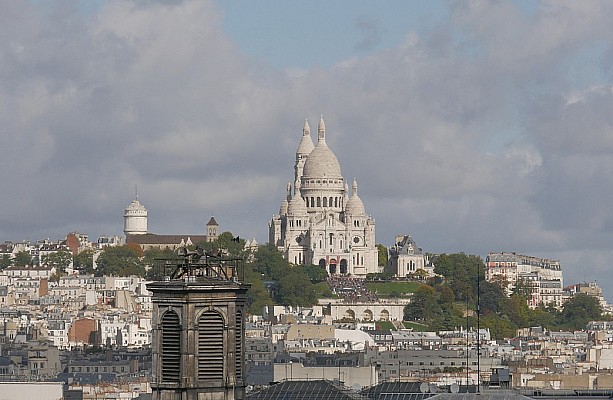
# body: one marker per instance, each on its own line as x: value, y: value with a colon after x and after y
x: 198, y: 328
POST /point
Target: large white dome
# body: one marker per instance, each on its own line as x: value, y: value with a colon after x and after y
x: 321, y: 162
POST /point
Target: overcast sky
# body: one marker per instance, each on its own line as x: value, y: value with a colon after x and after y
x: 473, y: 126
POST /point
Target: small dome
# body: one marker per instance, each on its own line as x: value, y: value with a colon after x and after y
x: 321, y: 162
x: 354, y: 205
x: 296, y: 206
x: 283, y: 209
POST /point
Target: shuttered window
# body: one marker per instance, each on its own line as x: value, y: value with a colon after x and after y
x: 239, y: 346
x: 210, y: 346
x: 171, y: 347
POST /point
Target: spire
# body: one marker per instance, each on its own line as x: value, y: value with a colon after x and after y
x: 354, y: 187
x: 289, y: 188
x: 297, y: 187
x: 346, y: 195
x: 307, y: 129
x: 321, y: 129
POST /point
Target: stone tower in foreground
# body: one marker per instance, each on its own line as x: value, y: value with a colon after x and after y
x: 198, y: 329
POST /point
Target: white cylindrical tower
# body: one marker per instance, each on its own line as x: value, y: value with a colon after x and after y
x: 135, y: 219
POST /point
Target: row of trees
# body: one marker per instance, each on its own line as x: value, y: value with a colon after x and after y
x: 450, y: 301
x: 445, y: 302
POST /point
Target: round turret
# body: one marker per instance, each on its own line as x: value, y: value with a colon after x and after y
x: 135, y: 219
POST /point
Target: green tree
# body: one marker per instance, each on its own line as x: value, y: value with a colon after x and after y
x: 383, y: 255
x: 234, y: 245
x: 59, y: 259
x: 491, y: 297
x: 295, y: 289
x: 84, y: 262
x: 226, y: 245
x: 447, y: 295
x: 500, y: 327
x: 516, y: 309
x: 23, y: 258
x: 460, y: 272
x: 269, y: 263
x: 580, y: 310
x: 543, y: 317
x: 420, y: 275
x: 153, y: 256
x: 423, y: 306
x: 119, y: 261
x: 257, y: 295
x: 451, y: 316
x: 5, y: 261
x: 314, y: 272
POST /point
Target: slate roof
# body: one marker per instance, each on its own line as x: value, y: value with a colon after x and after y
x: 305, y: 390
x: 395, y: 391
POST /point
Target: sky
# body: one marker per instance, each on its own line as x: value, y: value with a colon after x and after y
x: 473, y: 126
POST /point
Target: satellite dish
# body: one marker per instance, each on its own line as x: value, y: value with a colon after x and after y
x: 454, y: 388
x: 433, y: 388
x: 423, y: 387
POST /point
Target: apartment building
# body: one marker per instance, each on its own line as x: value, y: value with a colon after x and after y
x: 540, y: 278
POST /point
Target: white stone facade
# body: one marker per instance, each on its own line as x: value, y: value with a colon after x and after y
x: 406, y: 257
x: 135, y: 219
x: 543, y: 276
x: 319, y: 222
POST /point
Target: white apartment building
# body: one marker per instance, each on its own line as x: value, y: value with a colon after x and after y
x: 541, y: 277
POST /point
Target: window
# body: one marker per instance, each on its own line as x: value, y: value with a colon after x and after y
x: 210, y: 346
x: 171, y: 347
x: 239, y: 345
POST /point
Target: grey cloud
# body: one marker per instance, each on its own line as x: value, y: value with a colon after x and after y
x: 464, y: 138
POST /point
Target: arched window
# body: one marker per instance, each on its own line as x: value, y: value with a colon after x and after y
x: 330, y: 201
x: 331, y: 238
x: 312, y: 201
x: 343, y: 266
x: 210, y: 346
x: 318, y: 201
x: 336, y: 202
x: 325, y: 202
x: 171, y: 347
